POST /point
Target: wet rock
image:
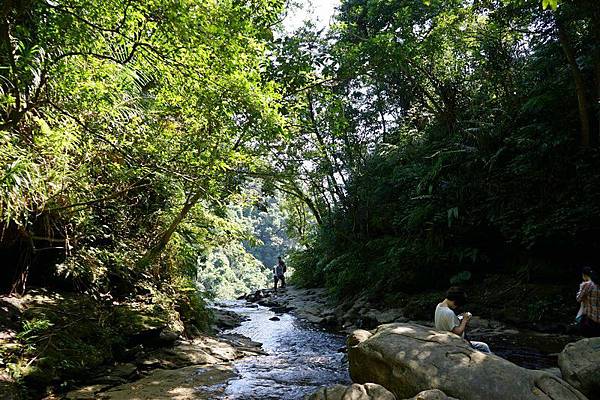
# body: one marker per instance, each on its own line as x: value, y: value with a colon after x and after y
x: 369, y: 391
x: 366, y: 321
x: 281, y: 309
x: 329, y: 321
x: 270, y: 303
x: 275, y: 319
x: 407, y: 359
x: 258, y: 295
x: 433, y: 394
x: 579, y: 363
x: 226, y: 319
x: 187, y: 383
x: 313, y: 319
x: 244, y: 344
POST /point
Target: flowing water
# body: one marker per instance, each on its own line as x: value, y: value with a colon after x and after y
x: 301, y: 358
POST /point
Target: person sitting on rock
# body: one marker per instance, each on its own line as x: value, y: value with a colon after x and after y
x: 589, y: 297
x: 279, y: 273
x: 447, y: 320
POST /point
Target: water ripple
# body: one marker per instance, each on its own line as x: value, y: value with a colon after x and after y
x: 301, y: 358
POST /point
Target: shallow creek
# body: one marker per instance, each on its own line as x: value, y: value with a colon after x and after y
x: 300, y: 359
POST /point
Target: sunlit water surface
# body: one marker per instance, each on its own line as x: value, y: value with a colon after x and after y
x: 301, y: 358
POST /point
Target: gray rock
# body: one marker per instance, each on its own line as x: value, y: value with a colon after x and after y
x: 433, y: 394
x: 200, y: 351
x: 314, y: 319
x: 368, y: 391
x: 124, y: 370
x: 579, y: 363
x: 187, y: 383
x: 407, y: 359
x: 554, y: 371
x: 226, y: 319
x: 168, y: 336
x: 86, y: 393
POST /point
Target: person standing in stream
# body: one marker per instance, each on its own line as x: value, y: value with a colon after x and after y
x: 279, y: 273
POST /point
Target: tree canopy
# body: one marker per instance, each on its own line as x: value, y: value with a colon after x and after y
x: 444, y: 139
x: 121, y: 119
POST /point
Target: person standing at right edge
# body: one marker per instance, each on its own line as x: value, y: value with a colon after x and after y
x: 589, y: 298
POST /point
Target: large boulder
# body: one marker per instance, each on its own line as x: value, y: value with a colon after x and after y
x: 368, y: 391
x: 579, y: 363
x: 407, y: 359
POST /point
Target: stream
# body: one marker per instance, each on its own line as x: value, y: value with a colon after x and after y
x: 301, y: 358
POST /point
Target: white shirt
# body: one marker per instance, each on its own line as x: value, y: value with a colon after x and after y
x: 445, y: 319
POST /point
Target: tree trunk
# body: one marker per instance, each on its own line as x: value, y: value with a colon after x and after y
x: 583, y: 105
x: 595, y: 17
x: 332, y: 166
x: 153, y: 253
x: 26, y: 249
x: 296, y: 192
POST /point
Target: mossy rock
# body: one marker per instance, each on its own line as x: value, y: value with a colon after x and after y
x: 9, y: 389
x: 64, y: 337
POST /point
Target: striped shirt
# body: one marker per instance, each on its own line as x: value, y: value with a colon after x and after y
x: 589, y: 297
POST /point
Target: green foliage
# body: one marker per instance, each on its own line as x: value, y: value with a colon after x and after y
x: 230, y: 271
x: 452, y: 143
x: 62, y: 337
x: 125, y: 128
x: 461, y: 278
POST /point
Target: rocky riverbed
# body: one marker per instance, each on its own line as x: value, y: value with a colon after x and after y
x: 190, y: 369
x: 524, y: 347
x: 398, y: 358
x: 291, y: 345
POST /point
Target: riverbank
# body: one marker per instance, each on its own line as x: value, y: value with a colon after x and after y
x: 197, y: 368
x: 285, y: 342
x: 57, y: 345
